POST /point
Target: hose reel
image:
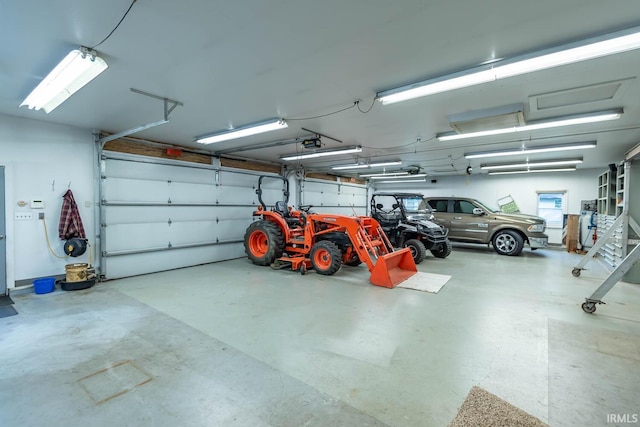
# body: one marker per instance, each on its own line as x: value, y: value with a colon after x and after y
x: 75, y: 247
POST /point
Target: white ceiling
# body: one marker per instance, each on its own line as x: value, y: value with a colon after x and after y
x: 236, y: 62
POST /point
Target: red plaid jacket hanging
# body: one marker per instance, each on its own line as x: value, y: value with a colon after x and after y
x: 70, y: 222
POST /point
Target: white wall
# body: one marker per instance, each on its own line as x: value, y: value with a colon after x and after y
x: 41, y: 160
x: 579, y: 185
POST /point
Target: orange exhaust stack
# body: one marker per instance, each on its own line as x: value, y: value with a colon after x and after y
x: 393, y: 268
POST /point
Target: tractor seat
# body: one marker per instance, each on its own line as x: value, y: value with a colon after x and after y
x: 281, y: 208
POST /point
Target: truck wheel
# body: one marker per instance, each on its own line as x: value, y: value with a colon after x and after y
x: 263, y: 242
x: 418, y: 251
x: 443, y: 250
x: 508, y: 242
x: 326, y: 257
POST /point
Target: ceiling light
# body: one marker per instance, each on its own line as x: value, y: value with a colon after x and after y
x: 577, y: 119
x: 367, y: 165
x: 419, y: 175
x: 531, y: 164
x: 531, y: 150
x: 241, y: 132
x: 433, y: 86
x: 595, y: 47
x: 369, y: 175
x: 78, y: 68
x: 533, y: 171
x: 322, y: 153
x: 399, y: 181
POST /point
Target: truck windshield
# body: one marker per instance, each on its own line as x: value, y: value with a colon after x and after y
x: 416, y: 207
x: 485, y: 207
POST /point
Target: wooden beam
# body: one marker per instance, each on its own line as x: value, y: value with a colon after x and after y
x: 250, y: 165
x: 155, y: 149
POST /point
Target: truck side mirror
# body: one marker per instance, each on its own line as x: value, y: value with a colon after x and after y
x: 478, y: 211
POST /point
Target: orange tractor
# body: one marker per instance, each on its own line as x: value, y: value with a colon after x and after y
x: 299, y: 239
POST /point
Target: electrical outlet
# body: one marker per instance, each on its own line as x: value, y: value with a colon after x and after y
x: 23, y: 216
x: 40, y: 215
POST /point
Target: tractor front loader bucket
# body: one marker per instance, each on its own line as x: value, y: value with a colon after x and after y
x: 393, y: 268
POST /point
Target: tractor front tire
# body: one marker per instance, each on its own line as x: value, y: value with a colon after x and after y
x: 326, y: 257
x: 263, y: 242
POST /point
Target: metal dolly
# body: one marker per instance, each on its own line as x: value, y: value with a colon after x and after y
x: 589, y: 306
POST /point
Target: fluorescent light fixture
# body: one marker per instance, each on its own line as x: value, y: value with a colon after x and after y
x: 322, y: 153
x: 241, y: 132
x: 78, y: 68
x: 532, y: 164
x: 431, y: 87
x: 390, y: 174
x: 400, y: 181
x: 419, y: 175
x: 533, y: 171
x: 598, y: 116
x: 367, y: 165
x: 531, y: 150
x: 594, y: 47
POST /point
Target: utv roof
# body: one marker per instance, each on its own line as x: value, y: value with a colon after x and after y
x: 399, y: 194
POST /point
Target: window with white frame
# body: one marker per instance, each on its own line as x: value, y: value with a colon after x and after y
x: 551, y: 207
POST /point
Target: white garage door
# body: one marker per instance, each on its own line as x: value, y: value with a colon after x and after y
x: 334, y: 197
x: 160, y: 214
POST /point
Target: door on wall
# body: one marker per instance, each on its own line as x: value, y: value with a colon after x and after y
x: 3, y: 240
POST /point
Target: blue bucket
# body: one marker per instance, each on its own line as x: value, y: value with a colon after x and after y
x: 44, y: 286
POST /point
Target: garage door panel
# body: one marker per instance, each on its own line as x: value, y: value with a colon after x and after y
x: 193, y: 193
x: 131, y: 169
x: 135, y: 264
x: 233, y: 228
x: 126, y: 237
x: 127, y: 190
x: 314, y: 199
x: 146, y: 191
x: 237, y: 196
x: 238, y: 179
x: 316, y: 186
x: 137, y: 237
x: 335, y: 197
x: 339, y: 210
x: 164, y: 214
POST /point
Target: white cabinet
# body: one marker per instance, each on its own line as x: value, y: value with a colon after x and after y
x: 606, y: 203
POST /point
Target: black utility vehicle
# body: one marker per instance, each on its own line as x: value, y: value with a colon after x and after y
x: 407, y: 220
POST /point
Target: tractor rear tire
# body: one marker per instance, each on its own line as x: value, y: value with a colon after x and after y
x: 443, y: 250
x: 263, y: 242
x: 418, y: 251
x: 326, y: 257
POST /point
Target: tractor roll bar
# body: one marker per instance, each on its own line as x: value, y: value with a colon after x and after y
x: 285, y: 192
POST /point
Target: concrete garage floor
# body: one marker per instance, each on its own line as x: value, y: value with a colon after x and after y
x: 233, y: 344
